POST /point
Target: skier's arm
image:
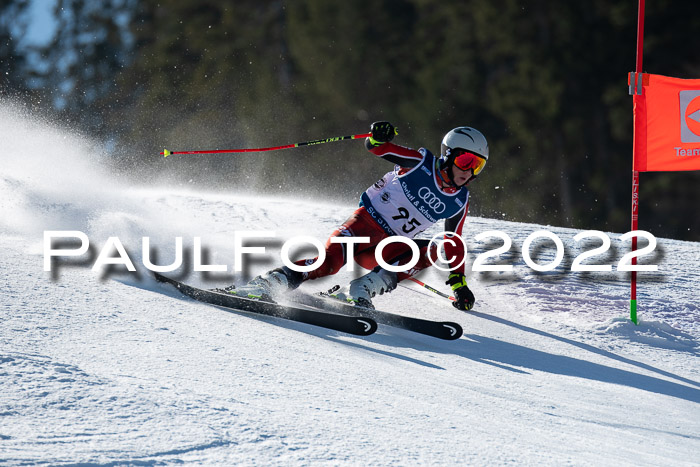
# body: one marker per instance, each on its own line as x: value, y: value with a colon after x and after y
x: 454, y: 250
x: 379, y: 145
x: 399, y: 155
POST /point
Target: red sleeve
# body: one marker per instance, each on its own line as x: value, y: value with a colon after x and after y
x: 400, y: 155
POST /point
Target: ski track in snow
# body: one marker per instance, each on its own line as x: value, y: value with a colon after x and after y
x: 127, y: 371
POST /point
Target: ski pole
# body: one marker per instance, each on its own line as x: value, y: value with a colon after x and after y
x: 435, y: 291
x: 167, y: 152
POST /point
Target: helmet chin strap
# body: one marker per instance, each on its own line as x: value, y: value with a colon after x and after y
x: 449, y: 176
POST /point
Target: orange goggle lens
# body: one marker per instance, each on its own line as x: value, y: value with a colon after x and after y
x: 468, y: 160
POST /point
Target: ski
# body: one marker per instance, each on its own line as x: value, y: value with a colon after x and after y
x: 447, y: 330
x: 357, y: 325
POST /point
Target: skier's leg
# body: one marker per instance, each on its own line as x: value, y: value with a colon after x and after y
x: 427, y: 254
x: 268, y: 285
x: 379, y: 281
x: 279, y: 280
x: 360, y: 224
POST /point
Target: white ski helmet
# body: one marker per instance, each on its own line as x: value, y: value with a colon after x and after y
x: 465, y: 141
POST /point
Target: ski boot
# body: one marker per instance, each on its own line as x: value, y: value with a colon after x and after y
x: 269, y: 285
x: 362, y: 290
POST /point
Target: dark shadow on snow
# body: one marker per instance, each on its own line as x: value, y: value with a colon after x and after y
x: 505, y: 355
x: 384, y: 352
x: 518, y: 358
x: 488, y: 350
x: 588, y: 348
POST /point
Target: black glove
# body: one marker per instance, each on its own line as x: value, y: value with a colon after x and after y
x: 382, y: 132
x: 464, y: 298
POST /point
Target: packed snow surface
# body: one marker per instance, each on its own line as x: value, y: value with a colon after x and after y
x: 108, y: 367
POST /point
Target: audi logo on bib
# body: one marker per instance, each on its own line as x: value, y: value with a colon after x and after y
x: 431, y: 200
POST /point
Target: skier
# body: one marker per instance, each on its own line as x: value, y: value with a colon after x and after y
x: 421, y: 190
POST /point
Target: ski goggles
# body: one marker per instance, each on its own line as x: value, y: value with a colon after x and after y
x: 468, y: 160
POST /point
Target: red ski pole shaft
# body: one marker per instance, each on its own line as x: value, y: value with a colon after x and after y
x: 167, y: 152
x: 432, y: 289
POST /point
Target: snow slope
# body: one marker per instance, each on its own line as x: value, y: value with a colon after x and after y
x: 117, y: 370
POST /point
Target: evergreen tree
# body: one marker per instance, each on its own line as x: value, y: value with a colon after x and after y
x: 545, y: 81
x: 79, y: 65
x: 13, y: 68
